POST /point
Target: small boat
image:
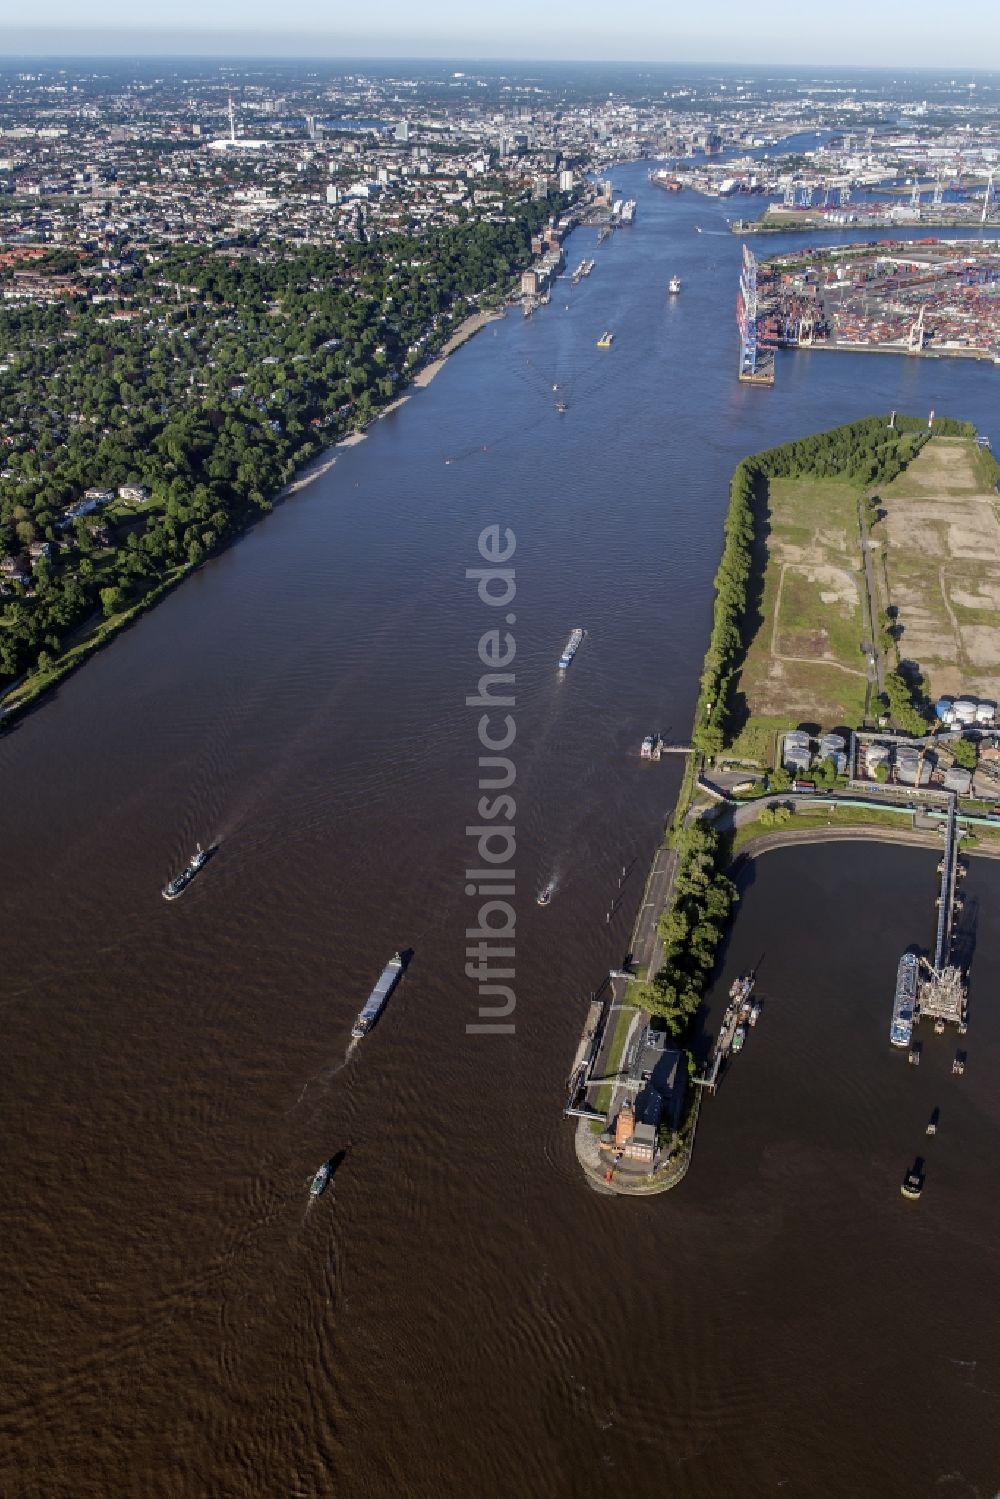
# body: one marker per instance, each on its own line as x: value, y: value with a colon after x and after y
x: 674, y: 285
x: 754, y: 1012
x: 321, y: 1180
x: 606, y: 339
x: 561, y: 407
x: 914, y: 1054
x: 958, y: 1065
x: 913, y: 1185
x: 175, y: 887
x: 544, y: 896
x: 739, y: 1036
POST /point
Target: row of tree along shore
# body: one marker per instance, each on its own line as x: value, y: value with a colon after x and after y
x: 142, y: 437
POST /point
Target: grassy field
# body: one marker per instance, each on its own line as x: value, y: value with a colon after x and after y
x: 941, y: 543
x: 820, y: 815
x: 804, y: 663
x: 625, y: 1014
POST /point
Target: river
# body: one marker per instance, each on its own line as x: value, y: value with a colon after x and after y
x: 460, y: 1314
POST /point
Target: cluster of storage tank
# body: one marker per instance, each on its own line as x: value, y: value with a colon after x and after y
x: 798, y: 756
x: 909, y: 761
x: 965, y: 712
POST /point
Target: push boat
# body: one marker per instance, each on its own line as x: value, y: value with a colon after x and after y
x: 321, y: 1180
x: 379, y: 997
x: 175, y: 887
x: 570, y: 648
x: 913, y: 1185
x: 544, y: 896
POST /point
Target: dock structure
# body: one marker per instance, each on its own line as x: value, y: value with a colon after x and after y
x: 942, y: 994
x: 736, y: 1014
x: 583, y: 1063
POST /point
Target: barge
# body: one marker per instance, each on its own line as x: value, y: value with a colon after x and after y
x: 379, y: 997
x: 904, y: 1005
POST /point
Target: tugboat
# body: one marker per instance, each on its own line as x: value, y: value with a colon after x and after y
x: 544, y: 896
x: 321, y: 1180
x: 913, y: 1184
x: 175, y: 887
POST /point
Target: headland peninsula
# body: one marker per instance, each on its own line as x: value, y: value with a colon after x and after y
x: 849, y: 690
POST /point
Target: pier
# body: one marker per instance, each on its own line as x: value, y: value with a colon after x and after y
x: 942, y: 994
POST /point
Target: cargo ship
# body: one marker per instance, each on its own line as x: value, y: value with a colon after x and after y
x: 570, y: 648
x: 606, y: 339
x: 379, y: 997
x: 175, y: 887
x: 905, y: 1001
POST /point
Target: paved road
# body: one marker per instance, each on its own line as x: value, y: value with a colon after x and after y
x: 647, y: 949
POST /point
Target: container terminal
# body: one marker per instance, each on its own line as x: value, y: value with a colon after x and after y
x: 932, y: 296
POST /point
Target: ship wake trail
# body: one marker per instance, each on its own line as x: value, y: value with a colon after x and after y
x: 324, y: 1076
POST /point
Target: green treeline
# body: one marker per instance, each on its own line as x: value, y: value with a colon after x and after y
x: 207, y: 376
x: 862, y: 453
x: 691, y: 928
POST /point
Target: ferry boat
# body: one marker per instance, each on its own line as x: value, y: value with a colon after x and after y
x: 606, y: 339
x: 627, y: 213
x: 570, y: 648
x: 905, y: 1001
x: 175, y: 887
x: 674, y: 285
x: 544, y: 896
x: 321, y: 1180
x: 378, y: 998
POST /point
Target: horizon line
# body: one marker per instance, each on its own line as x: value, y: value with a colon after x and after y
x: 737, y: 65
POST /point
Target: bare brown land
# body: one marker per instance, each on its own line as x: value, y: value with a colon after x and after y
x: 941, y: 562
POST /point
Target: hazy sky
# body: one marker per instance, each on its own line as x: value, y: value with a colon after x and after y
x: 888, y: 33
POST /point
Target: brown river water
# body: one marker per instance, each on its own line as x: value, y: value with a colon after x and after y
x: 459, y: 1314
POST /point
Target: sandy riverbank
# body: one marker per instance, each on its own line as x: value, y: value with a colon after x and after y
x: 461, y: 335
